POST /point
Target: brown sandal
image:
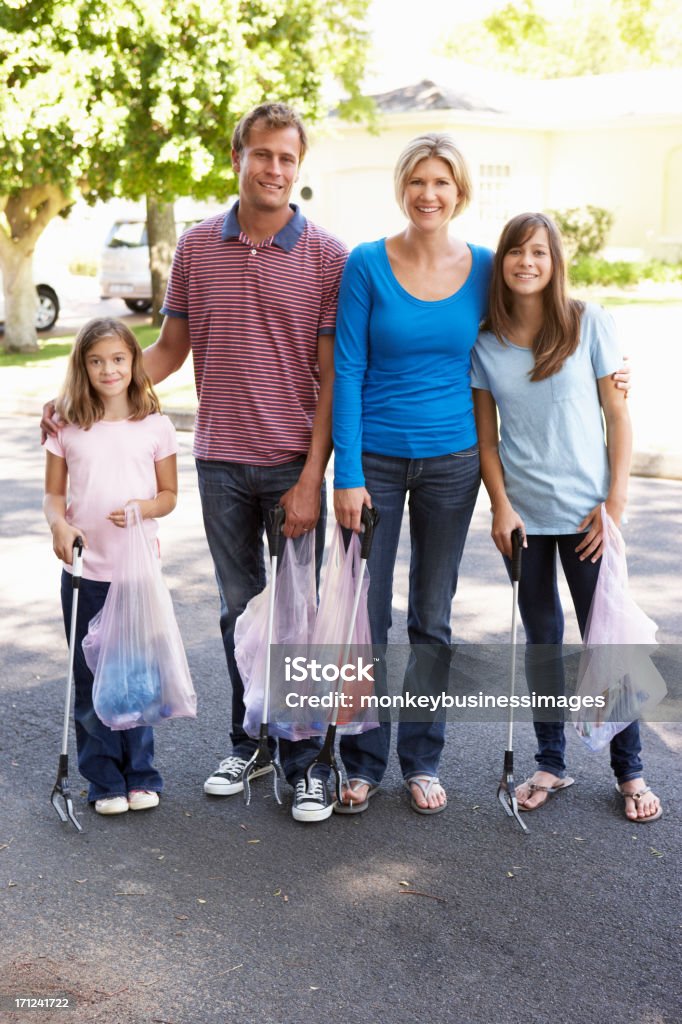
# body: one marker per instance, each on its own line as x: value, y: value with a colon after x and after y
x: 549, y: 790
x: 637, y: 797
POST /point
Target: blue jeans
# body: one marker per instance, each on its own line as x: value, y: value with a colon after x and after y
x: 235, y: 500
x: 543, y: 620
x: 113, y: 762
x: 442, y: 493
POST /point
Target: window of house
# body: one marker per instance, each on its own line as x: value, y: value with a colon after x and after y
x: 494, y: 194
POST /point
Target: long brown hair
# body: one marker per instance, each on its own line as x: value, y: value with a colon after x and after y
x: 559, y: 336
x: 78, y: 401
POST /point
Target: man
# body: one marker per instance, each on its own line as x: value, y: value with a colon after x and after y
x: 252, y: 294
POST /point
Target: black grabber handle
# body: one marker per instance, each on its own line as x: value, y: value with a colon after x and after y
x: 369, y: 517
x: 277, y: 517
x: 77, y: 563
x: 517, y: 548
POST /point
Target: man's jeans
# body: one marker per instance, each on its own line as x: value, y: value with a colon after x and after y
x: 236, y: 499
x: 543, y: 622
x: 442, y: 494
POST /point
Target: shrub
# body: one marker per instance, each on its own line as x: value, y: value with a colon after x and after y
x: 583, y: 229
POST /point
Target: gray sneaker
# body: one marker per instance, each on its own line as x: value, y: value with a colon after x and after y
x: 228, y: 778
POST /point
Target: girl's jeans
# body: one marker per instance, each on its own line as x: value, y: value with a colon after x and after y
x: 442, y: 493
x: 543, y: 621
x: 112, y: 762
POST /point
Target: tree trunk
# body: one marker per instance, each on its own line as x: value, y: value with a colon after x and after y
x: 162, y: 241
x: 26, y: 214
x: 21, y: 302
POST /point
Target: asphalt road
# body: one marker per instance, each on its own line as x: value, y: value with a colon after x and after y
x: 208, y: 912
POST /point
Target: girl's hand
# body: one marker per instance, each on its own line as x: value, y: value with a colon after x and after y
x: 592, y: 544
x: 621, y: 377
x: 505, y: 521
x: 118, y: 516
x: 63, y: 537
x: 348, y: 502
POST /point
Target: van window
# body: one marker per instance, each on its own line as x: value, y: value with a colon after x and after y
x: 127, y: 234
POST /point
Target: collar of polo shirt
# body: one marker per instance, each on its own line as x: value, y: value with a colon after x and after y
x: 285, y: 239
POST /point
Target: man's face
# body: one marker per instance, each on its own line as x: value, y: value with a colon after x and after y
x: 267, y: 167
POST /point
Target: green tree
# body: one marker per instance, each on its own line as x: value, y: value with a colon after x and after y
x: 589, y: 37
x: 139, y: 99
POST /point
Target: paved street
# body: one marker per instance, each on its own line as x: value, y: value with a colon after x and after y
x: 208, y: 912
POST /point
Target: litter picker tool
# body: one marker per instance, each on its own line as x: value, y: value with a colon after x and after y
x: 506, y: 791
x: 61, y: 792
x: 263, y: 760
x: 327, y: 757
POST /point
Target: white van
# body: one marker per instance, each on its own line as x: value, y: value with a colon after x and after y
x: 125, y: 272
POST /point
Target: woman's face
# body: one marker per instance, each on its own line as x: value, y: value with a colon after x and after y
x: 527, y: 267
x: 431, y: 195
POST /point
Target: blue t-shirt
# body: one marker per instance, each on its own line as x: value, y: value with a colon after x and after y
x: 402, y: 364
x: 552, y: 445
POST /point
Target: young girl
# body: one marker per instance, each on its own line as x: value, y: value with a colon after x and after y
x: 113, y: 448
x: 543, y: 361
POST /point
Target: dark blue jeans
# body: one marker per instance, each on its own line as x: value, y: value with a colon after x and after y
x: 442, y: 494
x: 113, y: 762
x: 235, y: 500
x: 543, y: 621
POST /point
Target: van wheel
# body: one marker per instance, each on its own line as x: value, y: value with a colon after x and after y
x: 48, y: 308
x: 138, y: 305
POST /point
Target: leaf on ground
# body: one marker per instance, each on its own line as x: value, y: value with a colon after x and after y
x: 181, y: 917
x: 81, y: 881
x: 201, y: 901
x: 277, y: 892
x: 252, y: 841
x: 403, y: 883
x: 579, y: 839
x: 655, y: 852
x: 417, y: 892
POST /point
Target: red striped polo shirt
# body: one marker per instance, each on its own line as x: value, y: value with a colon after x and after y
x: 255, y: 313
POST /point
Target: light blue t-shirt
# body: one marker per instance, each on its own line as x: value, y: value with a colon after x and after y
x: 552, y: 443
x: 402, y: 364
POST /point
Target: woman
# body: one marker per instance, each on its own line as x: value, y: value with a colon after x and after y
x: 403, y: 424
x: 544, y: 364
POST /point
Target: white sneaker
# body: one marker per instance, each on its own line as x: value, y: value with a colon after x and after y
x: 142, y: 799
x: 228, y: 778
x: 112, y: 805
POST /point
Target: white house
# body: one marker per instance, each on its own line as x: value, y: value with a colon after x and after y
x: 609, y: 140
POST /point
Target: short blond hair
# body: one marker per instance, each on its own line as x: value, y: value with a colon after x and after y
x: 424, y: 147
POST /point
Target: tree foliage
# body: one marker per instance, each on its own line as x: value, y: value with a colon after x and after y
x: 139, y: 98
x: 588, y: 37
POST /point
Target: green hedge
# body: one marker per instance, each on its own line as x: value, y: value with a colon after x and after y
x: 592, y: 270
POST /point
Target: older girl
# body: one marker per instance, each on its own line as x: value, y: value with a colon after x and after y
x: 544, y: 364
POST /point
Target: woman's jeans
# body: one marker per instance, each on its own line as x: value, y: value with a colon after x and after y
x: 442, y: 494
x: 236, y: 499
x: 113, y: 762
x: 543, y: 621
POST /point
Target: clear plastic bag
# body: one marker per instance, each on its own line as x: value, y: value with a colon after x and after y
x: 294, y: 617
x: 615, y: 663
x: 330, y: 635
x: 133, y: 646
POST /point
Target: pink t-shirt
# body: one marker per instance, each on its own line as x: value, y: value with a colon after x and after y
x: 109, y: 465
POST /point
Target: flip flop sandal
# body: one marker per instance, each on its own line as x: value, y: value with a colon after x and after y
x: 637, y: 797
x: 360, y: 806
x: 426, y: 784
x: 549, y: 790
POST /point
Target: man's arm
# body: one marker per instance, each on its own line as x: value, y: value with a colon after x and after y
x: 302, y: 501
x: 169, y: 351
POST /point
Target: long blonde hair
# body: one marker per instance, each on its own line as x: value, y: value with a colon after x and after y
x: 78, y: 402
x: 559, y: 336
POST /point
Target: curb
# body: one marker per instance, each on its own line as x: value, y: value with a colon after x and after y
x: 663, y: 465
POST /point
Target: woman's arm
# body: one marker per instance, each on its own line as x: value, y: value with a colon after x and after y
x: 54, y: 507
x: 166, y: 494
x: 619, y: 447
x: 351, y: 354
x: 505, y: 519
